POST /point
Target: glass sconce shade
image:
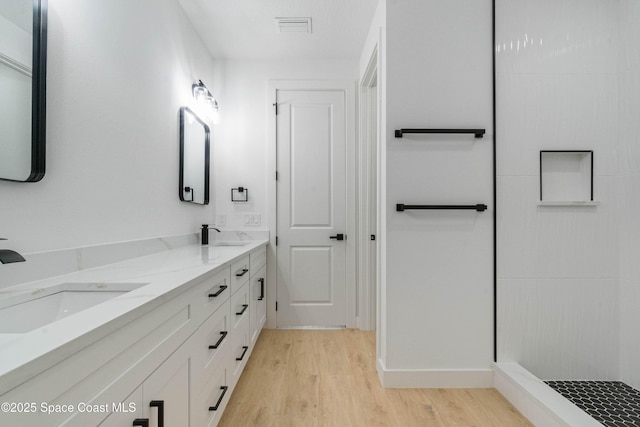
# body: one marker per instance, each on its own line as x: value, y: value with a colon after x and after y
x: 204, y: 97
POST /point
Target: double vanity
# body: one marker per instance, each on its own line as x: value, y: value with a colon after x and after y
x: 155, y: 340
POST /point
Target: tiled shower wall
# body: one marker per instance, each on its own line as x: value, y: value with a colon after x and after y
x: 629, y: 204
x: 559, y: 288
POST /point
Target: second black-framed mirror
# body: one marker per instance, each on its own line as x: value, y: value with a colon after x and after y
x: 194, y: 158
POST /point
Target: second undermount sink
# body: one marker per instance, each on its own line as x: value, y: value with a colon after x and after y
x: 31, y: 310
x: 229, y: 243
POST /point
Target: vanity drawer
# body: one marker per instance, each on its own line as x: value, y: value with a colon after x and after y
x: 209, y: 346
x: 258, y: 305
x: 240, y: 347
x: 239, y: 273
x: 240, y: 306
x: 208, y: 406
x: 257, y: 259
x: 212, y: 293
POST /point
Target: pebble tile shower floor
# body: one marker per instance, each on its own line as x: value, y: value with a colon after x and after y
x: 612, y: 403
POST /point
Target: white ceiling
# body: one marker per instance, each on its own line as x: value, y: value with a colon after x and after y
x: 246, y: 29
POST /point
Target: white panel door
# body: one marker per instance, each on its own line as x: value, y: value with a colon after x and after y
x: 311, y: 208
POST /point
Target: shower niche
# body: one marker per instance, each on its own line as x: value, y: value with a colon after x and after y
x: 566, y: 178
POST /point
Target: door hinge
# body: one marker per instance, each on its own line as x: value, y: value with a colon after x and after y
x: 276, y: 240
x: 276, y: 305
x: 276, y: 175
x: 275, y: 104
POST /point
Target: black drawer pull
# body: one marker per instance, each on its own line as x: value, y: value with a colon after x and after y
x: 216, y: 345
x: 261, y: 297
x: 244, y: 308
x: 160, y: 405
x: 142, y: 422
x: 244, y: 351
x: 224, y: 390
x: 222, y: 288
x: 242, y: 272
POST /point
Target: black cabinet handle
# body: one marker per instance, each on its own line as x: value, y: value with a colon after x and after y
x: 244, y: 351
x: 222, y: 288
x: 244, y: 308
x: 160, y: 405
x: 242, y: 272
x: 142, y: 422
x: 216, y: 345
x: 261, y: 297
x: 338, y: 236
x: 224, y: 390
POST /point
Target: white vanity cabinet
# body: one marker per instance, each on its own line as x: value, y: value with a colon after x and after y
x: 257, y: 296
x: 165, y: 394
x: 158, y: 384
x: 121, y: 418
x: 162, y: 400
x: 257, y: 292
x: 174, y: 364
x: 82, y: 389
x: 210, y: 348
x: 208, y: 406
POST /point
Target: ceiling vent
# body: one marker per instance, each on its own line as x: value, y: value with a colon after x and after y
x: 293, y: 25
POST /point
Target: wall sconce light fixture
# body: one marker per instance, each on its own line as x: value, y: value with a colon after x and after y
x: 208, y: 104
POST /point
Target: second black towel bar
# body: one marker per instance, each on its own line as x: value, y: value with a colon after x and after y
x: 480, y: 207
x: 478, y: 133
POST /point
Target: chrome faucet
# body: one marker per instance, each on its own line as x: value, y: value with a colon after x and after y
x: 8, y: 256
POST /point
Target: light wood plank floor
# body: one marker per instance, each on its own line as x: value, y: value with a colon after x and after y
x: 328, y: 378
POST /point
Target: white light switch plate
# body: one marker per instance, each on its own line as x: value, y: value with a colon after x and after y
x: 252, y: 220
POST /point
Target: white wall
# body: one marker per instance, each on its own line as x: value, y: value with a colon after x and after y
x: 436, y: 289
x: 118, y: 72
x: 629, y: 204
x: 558, y: 267
x: 240, y: 139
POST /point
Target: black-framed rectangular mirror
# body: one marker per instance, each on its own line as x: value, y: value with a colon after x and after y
x: 194, y: 158
x: 23, y: 66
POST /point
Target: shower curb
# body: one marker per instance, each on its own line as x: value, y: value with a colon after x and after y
x: 538, y: 402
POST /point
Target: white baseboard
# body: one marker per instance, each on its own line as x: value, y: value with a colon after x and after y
x: 434, y: 378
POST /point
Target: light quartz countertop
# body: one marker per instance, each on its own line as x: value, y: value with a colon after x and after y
x: 165, y: 275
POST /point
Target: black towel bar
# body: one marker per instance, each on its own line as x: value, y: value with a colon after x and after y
x: 478, y: 133
x: 480, y: 207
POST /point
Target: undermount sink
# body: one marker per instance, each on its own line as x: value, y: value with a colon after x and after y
x: 229, y: 243
x: 31, y: 310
